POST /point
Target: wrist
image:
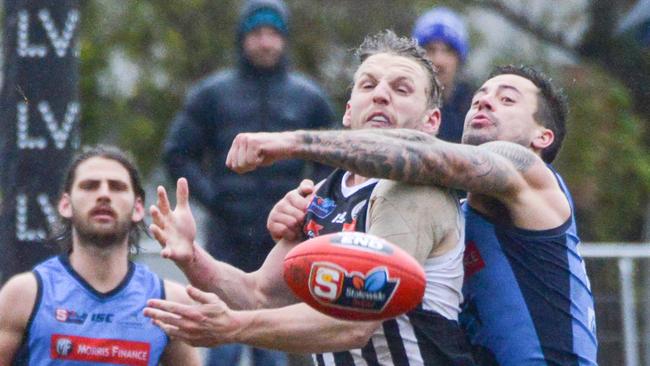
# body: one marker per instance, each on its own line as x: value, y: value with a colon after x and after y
x: 244, y: 328
x: 190, y: 261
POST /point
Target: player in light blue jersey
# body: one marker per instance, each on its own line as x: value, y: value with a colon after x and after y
x: 527, y: 296
x: 84, y: 307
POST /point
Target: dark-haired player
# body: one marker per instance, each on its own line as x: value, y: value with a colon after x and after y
x: 85, y: 306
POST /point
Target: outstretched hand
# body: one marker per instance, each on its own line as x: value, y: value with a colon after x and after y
x: 175, y: 230
x: 208, y: 323
x: 250, y: 151
x: 287, y: 216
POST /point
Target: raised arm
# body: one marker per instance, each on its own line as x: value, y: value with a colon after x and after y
x: 13, y: 319
x: 175, y: 230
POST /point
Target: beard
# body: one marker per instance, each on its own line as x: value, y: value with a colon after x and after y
x: 90, y: 234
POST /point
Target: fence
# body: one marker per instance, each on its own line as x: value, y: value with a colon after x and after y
x: 627, y: 257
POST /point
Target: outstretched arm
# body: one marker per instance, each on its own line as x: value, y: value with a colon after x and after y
x: 402, y: 155
x: 297, y: 328
x: 505, y: 171
x: 175, y: 230
x: 178, y: 352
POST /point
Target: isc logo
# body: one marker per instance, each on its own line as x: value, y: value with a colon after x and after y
x: 102, y: 318
x: 326, y: 281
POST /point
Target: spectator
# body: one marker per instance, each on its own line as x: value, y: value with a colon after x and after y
x: 260, y: 94
x: 443, y: 34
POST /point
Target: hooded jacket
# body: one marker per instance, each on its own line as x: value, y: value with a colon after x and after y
x: 217, y: 108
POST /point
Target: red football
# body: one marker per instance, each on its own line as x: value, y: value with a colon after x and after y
x: 354, y: 276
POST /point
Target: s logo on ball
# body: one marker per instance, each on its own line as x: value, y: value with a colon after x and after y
x: 355, y: 276
x: 332, y: 285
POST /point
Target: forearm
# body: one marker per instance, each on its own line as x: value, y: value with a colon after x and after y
x: 232, y: 285
x: 406, y: 155
x: 301, y: 329
x: 264, y: 288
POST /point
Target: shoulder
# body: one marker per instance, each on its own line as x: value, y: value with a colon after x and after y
x: 534, y: 171
x: 176, y: 292
x: 416, y: 217
x: 406, y: 195
x: 23, y: 286
x: 212, y: 83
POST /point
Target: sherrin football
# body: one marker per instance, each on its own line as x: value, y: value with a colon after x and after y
x: 354, y: 276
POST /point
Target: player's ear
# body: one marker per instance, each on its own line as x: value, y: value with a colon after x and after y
x: 346, y: 116
x: 65, y: 207
x: 543, y: 139
x: 431, y: 121
x: 138, y: 210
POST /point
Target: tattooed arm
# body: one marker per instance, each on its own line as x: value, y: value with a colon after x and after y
x: 403, y: 155
x: 506, y: 172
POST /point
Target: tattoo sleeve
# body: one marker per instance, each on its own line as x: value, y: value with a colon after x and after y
x: 415, y: 157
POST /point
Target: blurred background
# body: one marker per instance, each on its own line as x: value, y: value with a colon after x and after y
x: 138, y: 58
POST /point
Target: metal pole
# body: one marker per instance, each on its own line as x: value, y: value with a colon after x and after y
x: 628, y: 311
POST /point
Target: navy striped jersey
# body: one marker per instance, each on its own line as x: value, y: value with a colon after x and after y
x: 419, y: 337
x: 527, y: 295
x: 73, y: 324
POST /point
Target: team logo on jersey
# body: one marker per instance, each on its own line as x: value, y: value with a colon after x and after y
x: 63, y: 346
x: 359, y: 241
x: 472, y: 260
x: 332, y: 285
x: 70, y: 316
x: 321, y: 207
x: 312, y: 229
x: 99, y: 350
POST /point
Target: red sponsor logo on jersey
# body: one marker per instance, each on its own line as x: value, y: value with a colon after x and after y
x: 351, y: 226
x: 472, y: 259
x: 312, y: 229
x: 97, y: 350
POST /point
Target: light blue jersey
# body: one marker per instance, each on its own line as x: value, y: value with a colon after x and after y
x: 73, y: 324
x: 527, y: 296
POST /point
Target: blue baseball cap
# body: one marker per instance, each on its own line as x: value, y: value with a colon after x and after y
x: 442, y: 24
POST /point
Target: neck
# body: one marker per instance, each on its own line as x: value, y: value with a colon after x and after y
x: 355, y: 180
x: 103, y: 268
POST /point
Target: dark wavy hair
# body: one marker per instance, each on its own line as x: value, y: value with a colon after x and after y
x: 552, y: 105
x: 63, y: 236
x: 388, y: 42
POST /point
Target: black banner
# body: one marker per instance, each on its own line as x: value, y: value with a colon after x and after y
x: 39, y: 115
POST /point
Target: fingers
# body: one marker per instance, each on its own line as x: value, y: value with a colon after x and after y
x: 182, y: 193
x: 202, y: 297
x: 156, y: 217
x: 306, y: 187
x: 158, y: 234
x: 163, y: 201
x: 245, y: 154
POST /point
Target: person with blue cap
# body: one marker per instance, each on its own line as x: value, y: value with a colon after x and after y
x: 443, y: 34
x: 261, y: 93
